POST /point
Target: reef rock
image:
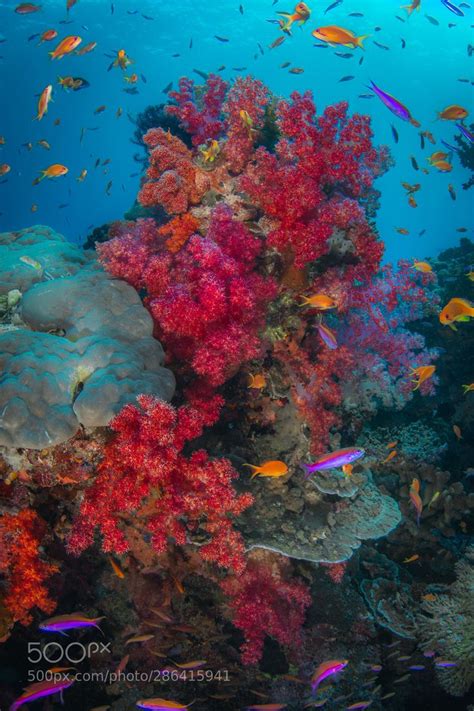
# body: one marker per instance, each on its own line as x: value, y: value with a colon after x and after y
x: 79, y: 345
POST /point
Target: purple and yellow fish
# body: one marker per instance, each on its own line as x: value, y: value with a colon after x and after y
x: 159, y: 704
x: 334, y: 460
x: 395, y: 106
x: 40, y: 690
x: 328, y: 336
x: 74, y: 621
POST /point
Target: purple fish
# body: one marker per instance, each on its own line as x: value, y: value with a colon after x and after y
x: 159, y: 704
x: 41, y: 689
x: 445, y: 664
x: 456, y: 10
x: 448, y: 145
x: 333, y: 666
x: 395, y: 106
x: 334, y: 460
x: 327, y: 335
x: 467, y: 134
x: 69, y: 622
x: 417, y: 667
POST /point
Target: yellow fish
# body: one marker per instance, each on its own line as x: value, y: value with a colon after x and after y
x: 456, y: 310
x: 468, y: 388
x: 257, y: 381
x: 422, y: 373
x: 210, y: 152
x: 53, y: 171
x: 453, y: 113
x: 422, y: 267
x: 322, y: 302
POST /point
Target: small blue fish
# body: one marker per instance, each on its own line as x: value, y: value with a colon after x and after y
x: 448, y: 145
x: 456, y: 10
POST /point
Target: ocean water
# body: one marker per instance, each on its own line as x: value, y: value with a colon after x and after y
x: 424, y: 76
x: 224, y: 578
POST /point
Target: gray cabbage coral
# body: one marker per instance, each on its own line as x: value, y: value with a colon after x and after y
x: 447, y: 625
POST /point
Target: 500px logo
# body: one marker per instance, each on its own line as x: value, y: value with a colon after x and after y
x: 74, y: 652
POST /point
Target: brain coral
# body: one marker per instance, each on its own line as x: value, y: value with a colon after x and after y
x: 79, y: 347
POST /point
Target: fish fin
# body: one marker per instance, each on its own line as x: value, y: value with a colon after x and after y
x: 358, y: 41
x: 305, y: 301
x: 307, y: 470
x: 453, y: 326
x: 463, y: 319
x: 285, y: 14
x: 255, y: 470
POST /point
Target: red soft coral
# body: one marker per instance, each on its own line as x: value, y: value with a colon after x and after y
x: 264, y: 601
x: 199, y: 109
x: 25, y: 574
x: 146, y: 481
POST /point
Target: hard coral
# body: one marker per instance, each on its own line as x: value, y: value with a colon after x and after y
x: 146, y: 481
x: 25, y: 574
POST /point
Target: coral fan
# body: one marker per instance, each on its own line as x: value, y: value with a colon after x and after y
x: 146, y: 481
x: 265, y: 602
x: 24, y: 572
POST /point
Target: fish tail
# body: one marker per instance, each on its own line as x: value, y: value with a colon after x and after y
x: 307, y: 470
x: 255, y: 470
x: 465, y: 388
x: 39, y: 179
x: 95, y: 624
x: 304, y: 302
x: 358, y: 41
x: 52, y: 54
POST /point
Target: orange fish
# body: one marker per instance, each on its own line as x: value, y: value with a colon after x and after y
x: 443, y: 166
x: 416, y: 499
x: 422, y: 373
x: 411, y: 188
x: 25, y: 8
x: 4, y: 169
x: 100, y: 109
x: 66, y: 46
x: 347, y: 470
x: 158, y: 703
x: 453, y: 113
x: 47, y: 36
x: 116, y: 568
x: 422, y: 267
x: 391, y: 456
x: 300, y: 15
x: 415, y: 5
x: 132, y: 79
x: 468, y: 388
x: 333, y: 34
x: 121, y: 60
x: 322, y: 302
x: 69, y: 4
x: 437, y: 156
x: 402, y: 231
x: 412, y: 202
x: 457, y: 431
x: 456, y: 310
x: 429, y: 597
x: 257, y: 381
x: 53, y: 171
x: 43, y: 101
x: 429, y: 136
x: 391, y: 445
x: 86, y: 49
x: 273, y: 468
x: 412, y: 558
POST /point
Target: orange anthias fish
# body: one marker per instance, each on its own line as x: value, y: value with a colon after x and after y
x: 43, y: 102
x: 415, y: 5
x: 468, y: 388
x: 322, y: 302
x: 132, y: 79
x: 47, y: 36
x: 437, y: 156
x: 390, y: 456
x: 333, y: 34
x: 273, y: 468
x: 122, y: 60
x: 53, y: 171
x: 4, y: 169
x: 457, y: 431
x: 412, y: 558
x: 326, y: 669
x: 422, y: 373
x: 411, y: 188
x: 456, y: 310
x: 158, y: 703
x: 402, y: 231
x: 300, y: 15
x: 443, y: 166
x: 116, y: 568
x: 25, y: 8
x: 257, y: 382
x: 422, y: 267
x: 66, y: 46
x: 391, y: 445
x: 453, y: 113
x: 86, y: 49
x: 415, y: 499
x: 347, y: 470
x: 412, y: 202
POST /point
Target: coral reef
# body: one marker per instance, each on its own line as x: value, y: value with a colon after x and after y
x: 466, y: 155
x: 447, y: 626
x: 80, y: 346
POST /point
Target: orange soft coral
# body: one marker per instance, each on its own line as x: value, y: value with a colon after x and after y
x: 23, y: 571
x: 179, y: 229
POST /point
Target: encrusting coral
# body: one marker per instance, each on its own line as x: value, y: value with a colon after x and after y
x: 447, y: 626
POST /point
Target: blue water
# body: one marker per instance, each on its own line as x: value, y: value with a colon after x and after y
x: 424, y: 76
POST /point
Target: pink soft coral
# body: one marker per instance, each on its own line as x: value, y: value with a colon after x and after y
x: 200, y: 111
